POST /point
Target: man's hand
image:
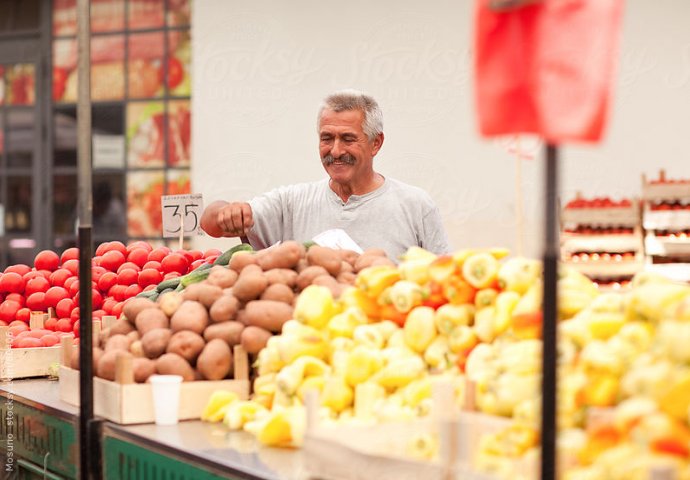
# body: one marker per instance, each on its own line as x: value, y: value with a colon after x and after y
x: 223, y: 219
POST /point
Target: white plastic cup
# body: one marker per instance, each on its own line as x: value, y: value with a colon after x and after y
x: 166, y: 398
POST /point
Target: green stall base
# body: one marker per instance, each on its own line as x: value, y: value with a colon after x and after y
x: 35, y: 439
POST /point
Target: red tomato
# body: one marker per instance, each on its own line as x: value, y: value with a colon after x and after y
x: 98, y: 314
x: 119, y: 246
x: 63, y: 325
x: 196, y: 263
x: 64, y: 307
x: 153, y: 264
x: 20, y: 268
x: 96, y: 299
x: 193, y: 255
x: 212, y: 252
x: 108, y: 305
x: 139, y: 244
x: 50, y: 323
x: 69, y: 254
x: 54, y: 295
x: 96, y: 261
x: 148, y: 288
x: 16, y: 297
x: 149, y: 276
x: 129, y: 265
x: 75, y: 328
x: 101, y: 249
x: 36, y: 302
x: 132, y: 291
x: 175, y: 263
x: 74, y: 289
x: 118, y: 292
x: 138, y: 256
x: 16, y: 329
x: 74, y: 316
x: 28, y: 342
x: 112, y: 260
x: 96, y: 273
x: 69, y: 281
x: 117, y: 309
x: 127, y: 277
x: 211, y: 259
x: 49, y: 340
x: 58, y: 277
x: 47, y: 260
x: 72, y: 266
x: 8, y: 310
x: 32, y: 274
x: 37, y: 284
x: 38, y: 332
x: 107, y: 280
x: 11, y: 282
x: 158, y: 254
x: 170, y: 275
x: 23, y: 315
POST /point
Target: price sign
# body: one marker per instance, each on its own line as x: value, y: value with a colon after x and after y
x: 182, y: 214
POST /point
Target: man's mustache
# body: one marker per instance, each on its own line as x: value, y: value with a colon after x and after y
x: 344, y: 158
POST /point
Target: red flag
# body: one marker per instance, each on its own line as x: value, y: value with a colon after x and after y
x: 546, y: 68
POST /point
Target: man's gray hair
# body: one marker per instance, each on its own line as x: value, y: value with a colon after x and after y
x: 344, y: 100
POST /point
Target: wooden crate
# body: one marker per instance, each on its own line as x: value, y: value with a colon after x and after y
x: 126, y: 402
x: 361, y: 452
x: 16, y: 363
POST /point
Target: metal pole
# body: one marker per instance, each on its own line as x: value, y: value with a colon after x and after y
x: 87, y: 441
x: 550, y: 334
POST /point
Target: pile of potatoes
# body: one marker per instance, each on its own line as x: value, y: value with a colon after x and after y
x: 192, y: 333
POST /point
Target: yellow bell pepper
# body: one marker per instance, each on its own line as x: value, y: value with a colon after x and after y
x: 315, y: 306
x: 405, y: 295
x: 420, y: 328
x: 374, y: 280
x: 337, y: 394
x: 449, y: 316
x: 215, y: 409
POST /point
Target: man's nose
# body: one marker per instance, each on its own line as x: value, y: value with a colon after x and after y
x: 337, y: 149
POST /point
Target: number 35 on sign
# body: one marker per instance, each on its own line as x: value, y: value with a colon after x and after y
x: 181, y: 214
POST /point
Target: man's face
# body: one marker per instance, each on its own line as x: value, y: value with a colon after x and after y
x: 346, y: 152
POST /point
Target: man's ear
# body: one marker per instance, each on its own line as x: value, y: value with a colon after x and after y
x: 377, y: 144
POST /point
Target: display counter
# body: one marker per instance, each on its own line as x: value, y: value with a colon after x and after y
x: 40, y: 436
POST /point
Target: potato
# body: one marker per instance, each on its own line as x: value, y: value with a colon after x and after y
x: 173, y: 364
x: 155, y: 341
x: 307, y: 276
x: 118, y: 342
x: 215, y: 361
x: 330, y: 283
x: 191, y: 316
x: 96, y: 355
x: 133, y: 336
x: 186, y: 344
x: 222, y: 277
x: 241, y: 317
x: 134, y: 305
x: 254, y: 339
x: 208, y: 294
x: 136, y: 349
x: 106, y: 364
x: 268, y: 314
x: 301, y: 265
x: 346, y: 267
x: 241, y: 259
x: 224, y: 309
x: 150, y: 318
x: 367, y: 258
x: 347, y: 278
x: 285, y: 276
x: 285, y: 255
x: 143, y: 369
x: 191, y: 292
x: 169, y: 302
x: 348, y: 256
x: 121, y: 326
x: 229, y: 332
x: 383, y: 261
x: 250, y: 284
x: 279, y: 292
x: 325, y: 257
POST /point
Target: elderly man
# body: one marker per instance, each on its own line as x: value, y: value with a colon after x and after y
x: 375, y: 211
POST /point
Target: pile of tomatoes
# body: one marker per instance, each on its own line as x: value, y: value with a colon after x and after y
x: 118, y: 272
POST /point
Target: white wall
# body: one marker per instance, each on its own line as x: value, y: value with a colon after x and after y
x: 262, y: 67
